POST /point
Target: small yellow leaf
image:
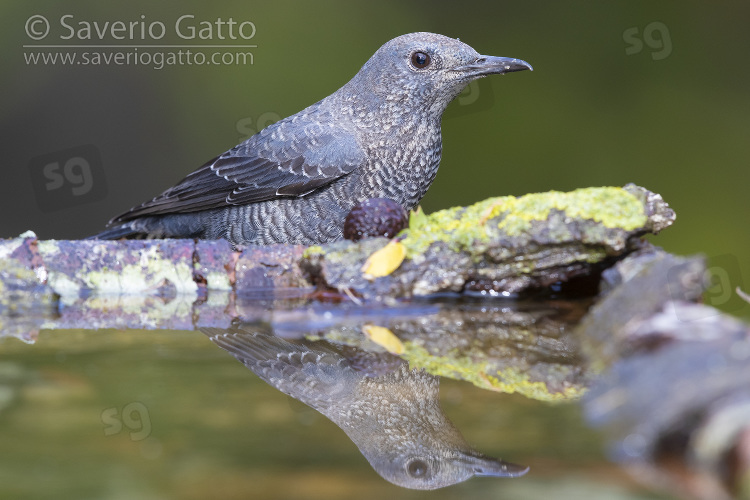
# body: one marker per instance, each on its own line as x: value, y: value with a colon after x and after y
x: 384, y: 261
x: 384, y: 338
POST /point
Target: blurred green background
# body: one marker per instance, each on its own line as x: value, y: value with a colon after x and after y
x: 637, y: 91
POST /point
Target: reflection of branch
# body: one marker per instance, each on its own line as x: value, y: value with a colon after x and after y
x: 510, y: 346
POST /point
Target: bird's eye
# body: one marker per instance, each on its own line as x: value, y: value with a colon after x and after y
x: 420, y: 60
x: 416, y: 468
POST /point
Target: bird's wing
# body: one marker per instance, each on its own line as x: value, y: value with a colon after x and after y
x: 312, y: 372
x: 287, y: 159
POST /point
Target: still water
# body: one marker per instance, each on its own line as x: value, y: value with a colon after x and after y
x: 161, y: 414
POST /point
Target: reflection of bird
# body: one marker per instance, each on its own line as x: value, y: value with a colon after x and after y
x: 295, y: 181
x: 395, y: 419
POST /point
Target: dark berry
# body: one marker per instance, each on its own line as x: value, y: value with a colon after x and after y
x: 375, y: 217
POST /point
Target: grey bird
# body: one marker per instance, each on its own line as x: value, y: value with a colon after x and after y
x: 294, y: 182
x: 394, y: 418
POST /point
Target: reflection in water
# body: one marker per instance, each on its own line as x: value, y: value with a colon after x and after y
x: 391, y: 413
x: 509, y: 346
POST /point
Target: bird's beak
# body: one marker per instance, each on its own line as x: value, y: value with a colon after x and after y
x: 491, y: 65
x: 486, y: 466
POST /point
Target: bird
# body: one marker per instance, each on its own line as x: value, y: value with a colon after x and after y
x: 294, y: 182
x: 389, y: 411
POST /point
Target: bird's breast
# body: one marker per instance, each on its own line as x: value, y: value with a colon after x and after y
x: 403, y: 164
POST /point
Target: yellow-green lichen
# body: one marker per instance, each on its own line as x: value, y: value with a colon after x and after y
x: 512, y: 380
x: 312, y: 251
x: 612, y: 207
x: 217, y: 280
x: 150, y: 273
x: 457, y: 226
x: 509, y: 380
x: 460, y: 368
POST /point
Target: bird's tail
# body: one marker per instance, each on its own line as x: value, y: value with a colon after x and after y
x: 190, y: 225
x: 117, y: 232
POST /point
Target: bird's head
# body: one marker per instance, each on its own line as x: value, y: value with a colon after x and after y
x: 427, y: 70
x: 411, y: 442
x: 430, y: 469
